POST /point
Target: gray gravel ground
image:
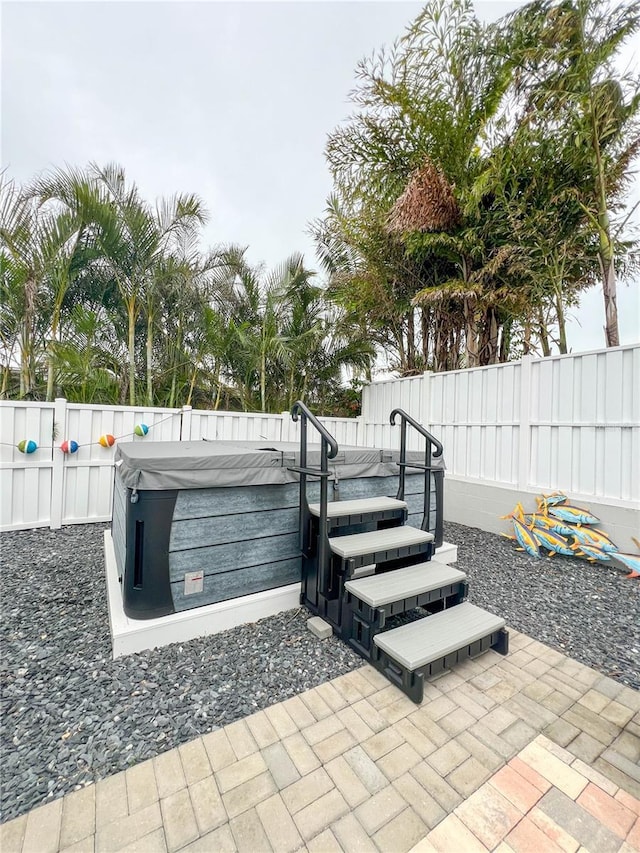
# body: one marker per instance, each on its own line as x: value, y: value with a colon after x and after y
x: 588, y: 611
x: 71, y: 715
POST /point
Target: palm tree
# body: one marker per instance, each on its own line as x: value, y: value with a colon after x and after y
x: 569, y: 86
x: 70, y: 201
x: 406, y: 165
x: 26, y: 238
x: 88, y: 361
x: 134, y: 239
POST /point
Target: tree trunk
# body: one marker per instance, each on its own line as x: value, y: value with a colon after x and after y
x: 483, y: 340
x: 24, y: 368
x: 172, y: 390
x: 177, y: 351
x: 291, y: 387
x: 562, y: 323
x: 424, y: 328
x: 607, y: 266
x: 544, y: 337
x: 605, y: 242
x: 453, y: 349
x: 50, y: 355
x: 505, y: 341
x: 470, y: 331
x: 437, y: 344
x: 131, y: 315
x: 401, y: 351
x: 192, y: 385
x: 263, y: 380
x: 493, y: 338
x: 411, y: 341
x: 216, y: 405
x: 124, y: 391
x: 149, y: 349
x: 526, y: 346
x: 50, y: 377
x: 26, y: 342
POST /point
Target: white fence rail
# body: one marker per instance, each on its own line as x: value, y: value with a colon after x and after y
x: 570, y: 422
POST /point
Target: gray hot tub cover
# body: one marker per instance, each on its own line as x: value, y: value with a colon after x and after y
x: 160, y: 465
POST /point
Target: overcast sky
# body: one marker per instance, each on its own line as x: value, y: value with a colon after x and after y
x: 230, y: 100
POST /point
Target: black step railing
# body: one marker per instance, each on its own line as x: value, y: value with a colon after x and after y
x: 433, y: 448
x: 328, y: 450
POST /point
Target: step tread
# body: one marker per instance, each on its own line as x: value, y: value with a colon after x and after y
x: 403, y: 583
x: 378, y: 540
x: 433, y: 637
x: 336, y: 509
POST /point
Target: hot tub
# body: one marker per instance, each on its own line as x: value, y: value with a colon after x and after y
x: 199, y: 522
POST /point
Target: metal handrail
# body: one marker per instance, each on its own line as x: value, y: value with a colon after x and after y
x: 299, y: 406
x: 438, y: 474
x: 328, y: 450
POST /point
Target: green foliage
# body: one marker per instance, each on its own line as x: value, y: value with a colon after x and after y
x: 104, y: 295
x: 527, y: 124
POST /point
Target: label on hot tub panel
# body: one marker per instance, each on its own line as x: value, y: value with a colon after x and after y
x: 193, y: 582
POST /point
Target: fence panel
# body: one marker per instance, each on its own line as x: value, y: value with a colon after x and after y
x: 476, y: 415
x: 25, y: 493
x: 378, y: 401
x: 585, y: 423
x: 569, y: 422
x: 235, y: 426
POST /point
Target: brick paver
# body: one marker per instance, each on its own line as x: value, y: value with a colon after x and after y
x: 618, y: 818
x: 195, y: 763
x: 334, y: 745
x: 42, y: 832
x: 532, y: 752
x: 142, y: 789
x: 248, y: 794
x: 169, y: 773
x: 111, y: 799
x: 218, y: 749
x: 278, y: 825
x: 241, y: 739
x: 280, y: 765
x: 179, y: 820
x: 516, y: 788
x: 120, y: 833
x: 78, y: 816
x: 207, y: 805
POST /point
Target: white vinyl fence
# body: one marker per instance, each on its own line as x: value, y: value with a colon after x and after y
x: 50, y: 488
x: 570, y: 422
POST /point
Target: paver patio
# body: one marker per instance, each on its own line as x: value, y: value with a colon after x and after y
x: 532, y: 752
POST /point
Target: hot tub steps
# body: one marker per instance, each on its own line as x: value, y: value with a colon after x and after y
x: 381, y: 546
x: 406, y: 584
x: 426, y: 647
x: 369, y: 601
x: 363, y: 511
x: 362, y: 564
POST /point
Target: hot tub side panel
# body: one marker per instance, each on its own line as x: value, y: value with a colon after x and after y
x: 226, y: 543
x: 140, y: 530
